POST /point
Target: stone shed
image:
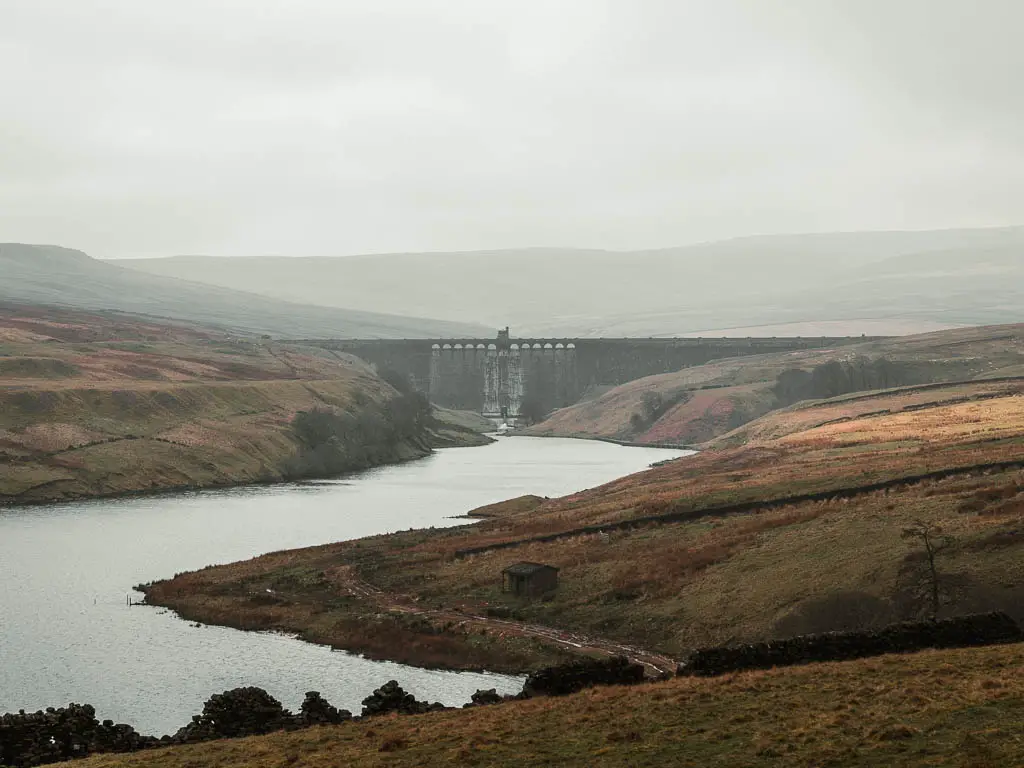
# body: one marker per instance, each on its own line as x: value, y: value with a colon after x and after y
x: 529, y: 579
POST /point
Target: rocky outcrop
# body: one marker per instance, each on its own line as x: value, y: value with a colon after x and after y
x: 960, y: 632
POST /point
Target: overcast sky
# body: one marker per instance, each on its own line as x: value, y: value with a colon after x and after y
x: 137, y: 128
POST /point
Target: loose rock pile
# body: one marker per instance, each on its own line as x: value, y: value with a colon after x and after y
x: 390, y: 697
x: 577, y: 675
x: 239, y: 712
x: 316, y: 710
x: 484, y: 698
x: 38, y: 738
x: 960, y: 632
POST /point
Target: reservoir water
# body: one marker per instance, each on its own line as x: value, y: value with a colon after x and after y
x: 66, y: 569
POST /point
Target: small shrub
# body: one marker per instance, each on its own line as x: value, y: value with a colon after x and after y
x: 332, y: 442
x: 654, y: 405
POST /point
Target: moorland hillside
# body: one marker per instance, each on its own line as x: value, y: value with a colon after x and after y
x: 694, y: 405
x: 800, y: 528
x: 49, y: 275
x: 876, y: 283
x: 101, y: 403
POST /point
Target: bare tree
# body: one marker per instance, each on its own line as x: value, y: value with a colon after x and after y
x: 927, y: 582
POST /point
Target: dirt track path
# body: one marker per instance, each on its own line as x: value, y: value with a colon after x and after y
x: 655, y: 663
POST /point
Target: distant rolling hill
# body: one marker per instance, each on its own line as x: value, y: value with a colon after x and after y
x: 898, y: 280
x: 43, y: 274
x: 970, y: 285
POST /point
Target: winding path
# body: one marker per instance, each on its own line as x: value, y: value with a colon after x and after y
x: 655, y: 663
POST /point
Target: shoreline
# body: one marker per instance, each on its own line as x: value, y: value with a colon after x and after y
x: 374, y: 622
x: 427, y: 665
x: 433, y: 442
x: 381, y: 634
x: 612, y: 440
x: 171, y: 490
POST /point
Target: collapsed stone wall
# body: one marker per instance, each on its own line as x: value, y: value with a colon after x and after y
x: 68, y: 733
x: 391, y: 697
x: 55, y: 735
x: 959, y: 632
x: 576, y: 675
x: 73, y: 732
x: 252, y: 711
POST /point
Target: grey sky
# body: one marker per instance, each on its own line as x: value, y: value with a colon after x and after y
x: 132, y: 128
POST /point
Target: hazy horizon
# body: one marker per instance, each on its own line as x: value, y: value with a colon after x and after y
x: 528, y: 248
x: 332, y: 128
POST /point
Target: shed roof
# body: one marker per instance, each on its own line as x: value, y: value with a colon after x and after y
x: 527, y: 569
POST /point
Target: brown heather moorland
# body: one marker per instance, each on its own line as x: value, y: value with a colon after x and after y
x: 934, y: 708
x: 97, y: 404
x: 794, y: 522
x: 798, y: 529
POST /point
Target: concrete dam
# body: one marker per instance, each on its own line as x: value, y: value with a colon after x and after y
x: 512, y: 379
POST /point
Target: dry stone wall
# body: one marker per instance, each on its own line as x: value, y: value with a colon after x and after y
x: 586, y: 673
x: 960, y: 632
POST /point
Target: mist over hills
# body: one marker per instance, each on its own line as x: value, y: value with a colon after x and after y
x: 898, y: 280
x: 43, y: 274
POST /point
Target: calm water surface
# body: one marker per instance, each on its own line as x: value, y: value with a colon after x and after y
x: 65, y: 570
